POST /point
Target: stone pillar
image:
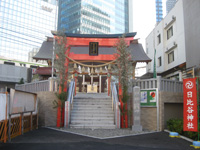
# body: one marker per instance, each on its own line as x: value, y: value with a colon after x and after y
x: 50, y: 84
x: 99, y: 83
x: 136, y: 110
x: 83, y: 83
x: 159, y: 82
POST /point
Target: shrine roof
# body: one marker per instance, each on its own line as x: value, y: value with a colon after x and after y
x: 131, y: 34
x: 137, y: 51
x: 45, y: 52
x: 44, y: 71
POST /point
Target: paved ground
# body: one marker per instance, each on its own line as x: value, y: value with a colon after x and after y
x: 49, y: 139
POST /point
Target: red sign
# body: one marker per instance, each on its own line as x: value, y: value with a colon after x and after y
x: 190, y: 122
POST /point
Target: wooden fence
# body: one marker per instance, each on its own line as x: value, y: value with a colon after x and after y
x: 45, y: 85
x: 19, y: 125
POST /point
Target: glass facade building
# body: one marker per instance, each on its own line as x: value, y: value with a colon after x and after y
x: 170, y: 4
x: 93, y: 16
x: 24, y: 25
x: 159, y: 11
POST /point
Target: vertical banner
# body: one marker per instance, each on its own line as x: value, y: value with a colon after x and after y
x: 190, y: 117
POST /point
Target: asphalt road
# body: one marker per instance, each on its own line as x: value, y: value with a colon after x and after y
x: 47, y: 139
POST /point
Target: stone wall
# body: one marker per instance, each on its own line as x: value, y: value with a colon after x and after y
x: 149, y: 118
x: 47, y: 114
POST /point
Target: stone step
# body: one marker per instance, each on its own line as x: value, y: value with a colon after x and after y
x: 92, y: 118
x: 91, y: 109
x: 92, y: 121
x: 92, y: 115
x: 90, y: 126
x: 92, y: 106
x: 94, y: 100
x: 92, y: 103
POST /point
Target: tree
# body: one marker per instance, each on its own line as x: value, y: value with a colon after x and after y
x: 123, y: 70
x: 61, y: 66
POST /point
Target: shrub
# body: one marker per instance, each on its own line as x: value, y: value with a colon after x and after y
x: 176, y: 125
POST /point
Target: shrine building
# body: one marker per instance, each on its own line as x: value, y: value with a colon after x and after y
x: 92, y: 56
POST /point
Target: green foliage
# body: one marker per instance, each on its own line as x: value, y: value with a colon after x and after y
x: 176, y: 125
x: 62, y: 97
x: 123, y: 69
x: 60, y: 62
x: 21, y: 81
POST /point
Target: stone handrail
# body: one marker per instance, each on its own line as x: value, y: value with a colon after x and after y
x: 39, y: 86
x: 69, y: 103
x: 115, y: 104
x: 161, y: 84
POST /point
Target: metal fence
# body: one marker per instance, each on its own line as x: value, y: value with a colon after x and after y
x: 161, y: 84
x: 46, y: 85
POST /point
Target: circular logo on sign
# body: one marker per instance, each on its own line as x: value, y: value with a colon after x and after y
x: 189, y: 85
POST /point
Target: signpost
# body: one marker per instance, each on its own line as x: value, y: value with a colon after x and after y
x: 190, y: 117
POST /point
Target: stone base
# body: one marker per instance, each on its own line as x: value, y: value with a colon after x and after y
x: 137, y: 128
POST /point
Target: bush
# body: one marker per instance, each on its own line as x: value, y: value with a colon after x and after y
x: 176, y: 125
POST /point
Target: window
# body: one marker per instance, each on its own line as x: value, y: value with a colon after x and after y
x: 158, y: 39
x: 170, y: 32
x: 159, y: 61
x: 170, y: 57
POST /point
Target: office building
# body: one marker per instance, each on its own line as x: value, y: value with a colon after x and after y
x: 94, y: 17
x: 24, y: 26
x: 170, y: 4
x: 159, y: 11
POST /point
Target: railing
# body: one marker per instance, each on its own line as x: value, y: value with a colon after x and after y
x: 69, y: 103
x: 115, y: 104
x: 46, y: 85
x: 161, y: 84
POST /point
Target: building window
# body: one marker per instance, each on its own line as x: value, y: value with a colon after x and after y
x: 170, y: 32
x: 158, y: 39
x: 170, y: 57
x: 159, y: 61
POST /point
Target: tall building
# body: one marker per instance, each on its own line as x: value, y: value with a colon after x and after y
x: 159, y: 10
x: 24, y: 25
x: 94, y: 16
x: 170, y: 4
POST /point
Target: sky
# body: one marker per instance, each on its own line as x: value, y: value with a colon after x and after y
x: 144, y: 20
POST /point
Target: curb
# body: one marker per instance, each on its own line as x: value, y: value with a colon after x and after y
x: 183, y: 137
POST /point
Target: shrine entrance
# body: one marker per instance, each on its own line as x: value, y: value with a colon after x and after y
x: 92, y: 84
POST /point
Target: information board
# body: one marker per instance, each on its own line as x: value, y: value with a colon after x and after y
x: 148, y: 97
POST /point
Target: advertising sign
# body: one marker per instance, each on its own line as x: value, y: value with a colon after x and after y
x: 190, y: 119
x: 148, y: 97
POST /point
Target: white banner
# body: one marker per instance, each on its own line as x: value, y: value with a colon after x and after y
x: 2, y: 106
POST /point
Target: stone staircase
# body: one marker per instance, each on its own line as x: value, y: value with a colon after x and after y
x: 92, y: 111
